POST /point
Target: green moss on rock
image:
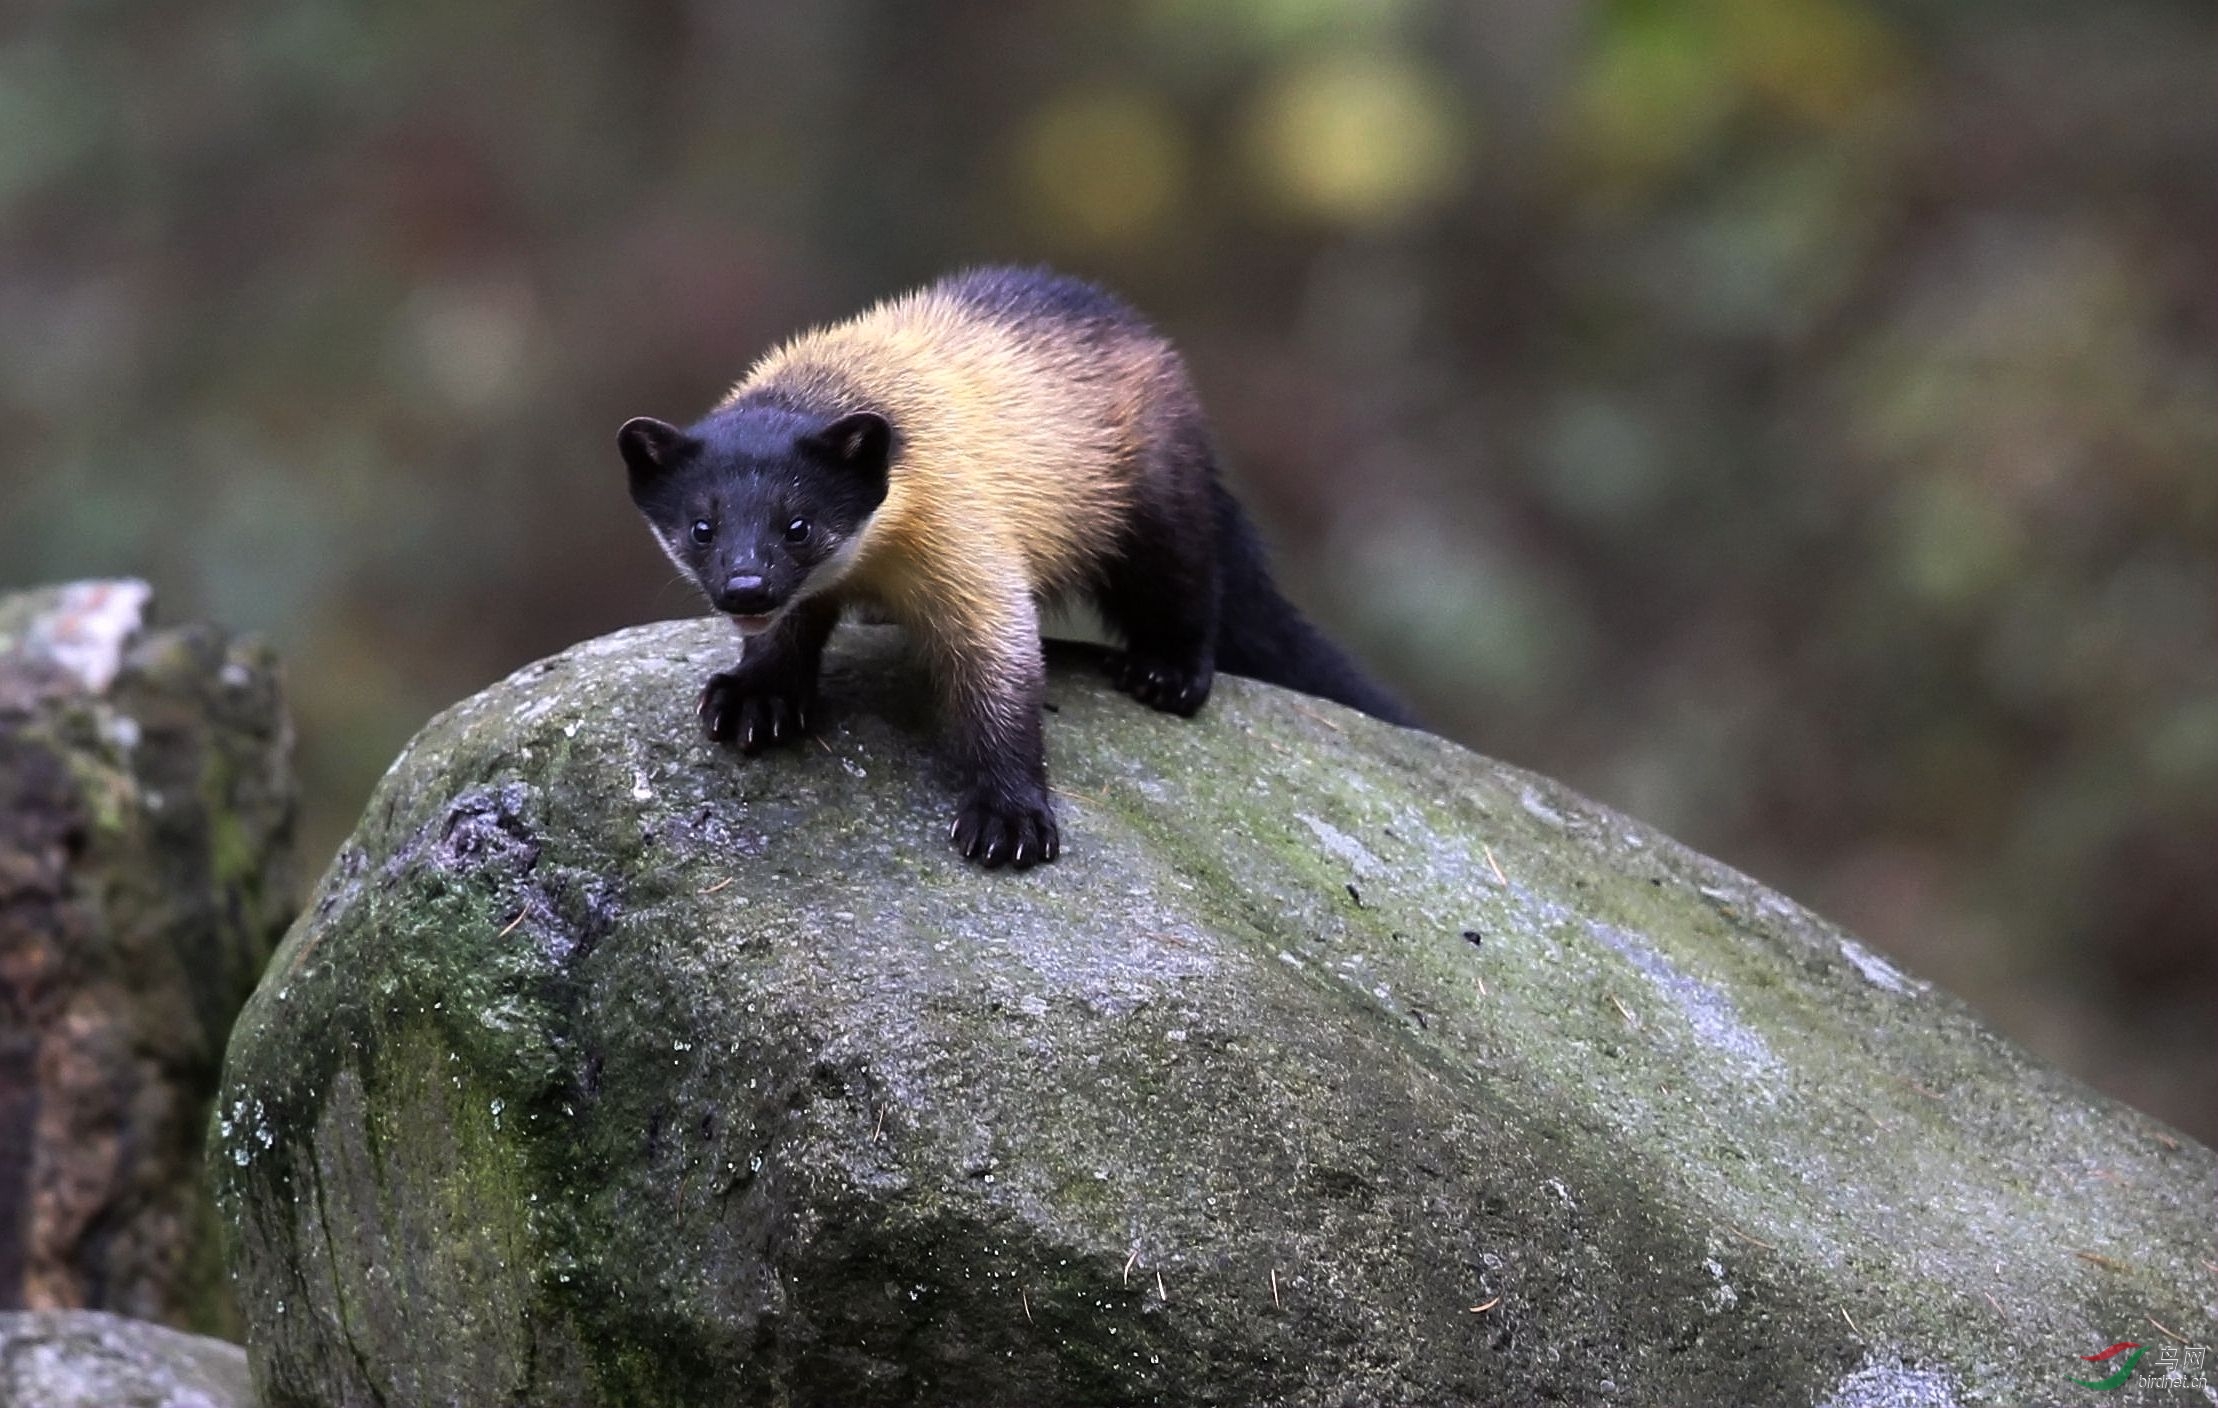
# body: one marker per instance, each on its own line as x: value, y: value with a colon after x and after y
x: 146, y: 808
x: 609, y: 1068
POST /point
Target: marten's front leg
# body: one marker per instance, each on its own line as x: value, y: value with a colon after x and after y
x: 995, y: 681
x: 767, y: 698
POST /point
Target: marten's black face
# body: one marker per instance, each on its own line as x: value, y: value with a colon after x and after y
x: 760, y: 505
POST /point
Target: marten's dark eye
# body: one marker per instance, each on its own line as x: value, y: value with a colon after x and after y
x: 704, y: 532
x: 797, y: 531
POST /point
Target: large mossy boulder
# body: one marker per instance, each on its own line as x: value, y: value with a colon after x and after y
x: 146, y: 815
x: 1332, y: 1065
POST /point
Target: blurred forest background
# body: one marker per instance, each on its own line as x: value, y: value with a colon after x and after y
x: 1792, y: 421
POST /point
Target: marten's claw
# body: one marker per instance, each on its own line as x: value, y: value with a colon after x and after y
x: 997, y: 830
x: 718, y: 709
x: 755, y: 719
x: 1175, y: 689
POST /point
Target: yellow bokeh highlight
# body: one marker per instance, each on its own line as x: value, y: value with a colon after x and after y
x: 1367, y: 140
x: 1819, y: 60
x: 1652, y: 93
x: 1104, y: 167
x: 1658, y: 85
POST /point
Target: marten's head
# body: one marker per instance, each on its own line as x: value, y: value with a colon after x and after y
x: 760, y: 505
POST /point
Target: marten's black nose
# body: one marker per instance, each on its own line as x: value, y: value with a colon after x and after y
x: 745, y: 594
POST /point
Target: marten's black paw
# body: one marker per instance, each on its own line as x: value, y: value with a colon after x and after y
x: 736, y: 709
x: 1175, y: 689
x: 993, y: 827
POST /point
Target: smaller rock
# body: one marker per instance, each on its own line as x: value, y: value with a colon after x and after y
x: 146, y: 811
x: 77, y: 633
x: 90, y: 1359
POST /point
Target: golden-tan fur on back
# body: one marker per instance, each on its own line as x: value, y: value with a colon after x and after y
x: 1017, y: 447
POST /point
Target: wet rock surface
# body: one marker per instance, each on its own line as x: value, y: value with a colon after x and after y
x: 1333, y: 1064
x: 89, y: 1359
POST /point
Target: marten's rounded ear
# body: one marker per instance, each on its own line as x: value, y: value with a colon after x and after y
x: 862, y: 440
x: 649, y: 447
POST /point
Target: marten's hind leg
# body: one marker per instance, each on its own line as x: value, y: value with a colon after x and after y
x: 1161, y: 591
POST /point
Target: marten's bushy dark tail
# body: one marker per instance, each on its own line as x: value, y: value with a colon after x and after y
x: 1262, y: 635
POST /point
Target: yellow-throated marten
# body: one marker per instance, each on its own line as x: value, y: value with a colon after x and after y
x: 957, y: 457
